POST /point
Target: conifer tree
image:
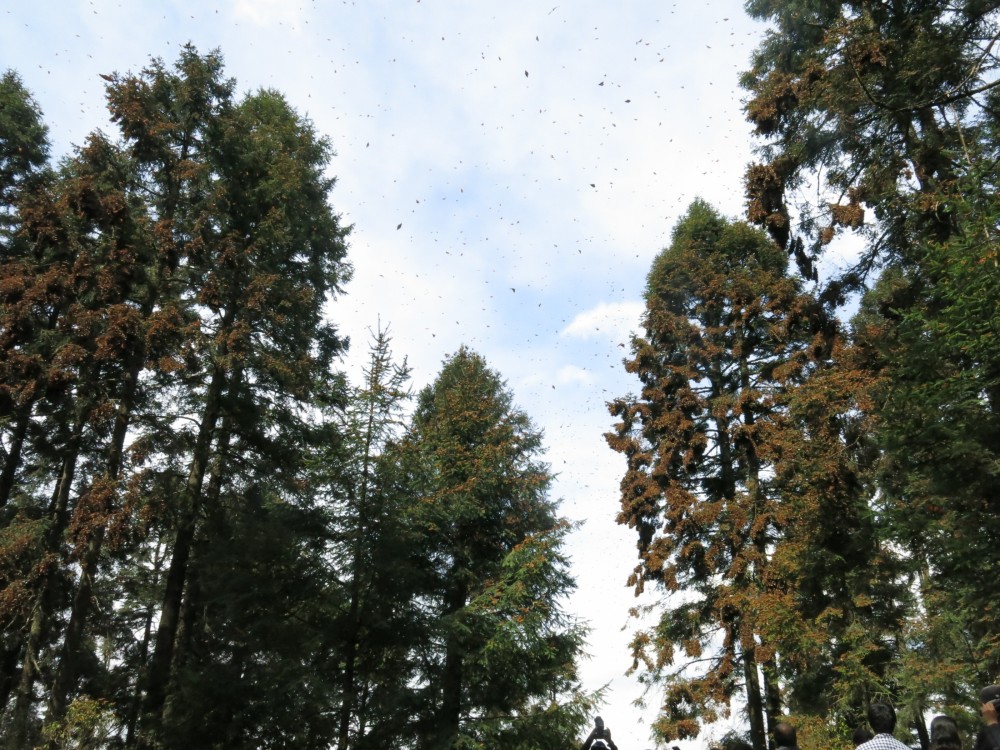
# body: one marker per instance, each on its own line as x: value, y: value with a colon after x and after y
x: 75, y: 322
x: 939, y: 428
x: 726, y: 331
x: 490, y: 546
x: 24, y: 150
x: 265, y: 256
x: 23, y: 158
x: 838, y: 593
x: 377, y: 626
x: 167, y: 313
x: 890, y: 109
x: 880, y: 103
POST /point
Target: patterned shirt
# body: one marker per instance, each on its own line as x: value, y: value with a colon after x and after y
x: 883, y: 742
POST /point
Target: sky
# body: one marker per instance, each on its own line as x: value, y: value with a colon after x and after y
x: 509, y: 169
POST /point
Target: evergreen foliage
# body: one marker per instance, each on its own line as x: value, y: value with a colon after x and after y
x: 890, y: 109
x: 498, y: 668
x: 881, y: 449
x: 725, y: 333
x: 208, y: 536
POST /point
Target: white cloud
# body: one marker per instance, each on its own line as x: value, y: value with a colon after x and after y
x: 266, y: 12
x: 521, y: 200
x: 573, y: 374
x: 614, y: 321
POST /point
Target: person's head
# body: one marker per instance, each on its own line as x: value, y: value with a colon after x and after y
x: 784, y: 734
x: 882, y: 718
x: 861, y: 734
x: 944, y: 734
x: 599, y: 722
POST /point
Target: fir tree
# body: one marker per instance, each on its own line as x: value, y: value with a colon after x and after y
x: 490, y: 541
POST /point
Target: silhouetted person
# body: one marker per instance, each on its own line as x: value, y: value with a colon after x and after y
x: 861, y: 735
x: 989, y: 735
x: 785, y: 736
x: 601, y: 734
x: 882, y: 719
x: 944, y: 734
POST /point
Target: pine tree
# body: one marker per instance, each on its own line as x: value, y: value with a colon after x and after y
x: 726, y: 333
x: 490, y: 541
x: 24, y: 150
x: 165, y: 321
x: 69, y: 314
x: 265, y: 257
x: 891, y: 109
x: 881, y: 103
x: 23, y: 158
x: 376, y: 629
x: 939, y: 429
x: 838, y: 593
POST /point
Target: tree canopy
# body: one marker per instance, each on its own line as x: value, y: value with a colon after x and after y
x: 209, y: 537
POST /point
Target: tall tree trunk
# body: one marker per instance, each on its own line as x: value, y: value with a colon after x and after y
x: 451, y: 677
x: 770, y: 705
x: 65, y: 677
x: 44, y: 603
x: 348, y: 689
x: 192, y: 602
x: 158, y: 675
x: 772, y: 694
x: 132, y: 719
x: 755, y: 708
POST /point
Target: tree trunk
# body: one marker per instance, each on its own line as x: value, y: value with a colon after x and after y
x: 147, y: 637
x: 348, y: 688
x: 921, y: 727
x: 44, y: 604
x: 771, y: 704
x: 66, y: 672
x: 192, y: 602
x: 158, y: 675
x: 451, y: 677
x: 772, y: 694
x: 13, y: 458
x: 13, y: 648
x: 755, y: 709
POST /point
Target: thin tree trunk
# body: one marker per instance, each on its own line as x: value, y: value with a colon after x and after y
x: 348, y: 688
x: 770, y: 705
x: 921, y: 727
x: 29, y: 669
x: 70, y: 653
x: 772, y: 694
x: 451, y: 677
x: 42, y: 610
x: 147, y: 637
x: 192, y: 602
x: 13, y: 459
